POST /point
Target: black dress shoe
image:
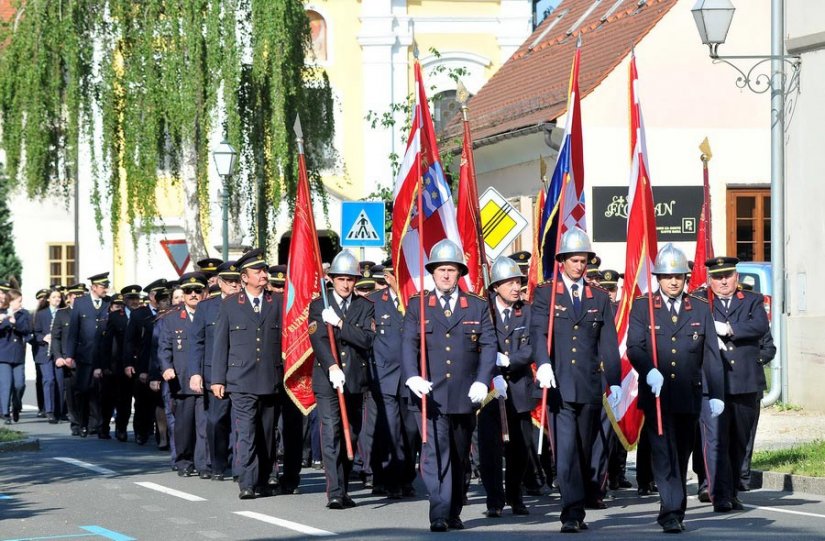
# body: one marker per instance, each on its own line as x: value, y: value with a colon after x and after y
x: 367, y: 479
x: 104, y: 436
x: 265, y: 491
x: 348, y: 502
x: 41, y: 414
x: 218, y: 477
x: 121, y: 435
x: 52, y: 419
x: 704, y: 497
x: 570, y: 526
x: 247, y: 494
x: 722, y: 507
x: 672, y: 526
x: 736, y: 504
x: 535, y: 491
x: 493, y: 512
x: 596, y: 504
x: 408, y: 491
x: 287, y: 490
x: 75, y: 431
x: 205, y: 475
x: 583, y: 526
x: 379, y: 490
x: 455, y: 523
x: 84, y: 432
x: 335, y: 503
x: 141, y: 440
x: 520, y: 509
x: 7, y: 421
x: 438, y: 525
x: 624, y: 483
x: 744, y: 487
x: 394, y: 493
x: 188, y: 471
x: 15, y: 415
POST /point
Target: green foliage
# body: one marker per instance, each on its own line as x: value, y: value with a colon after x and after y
x: 806, y: 459
x: 156, y: 72
x: 7, y: 435
x: 787, y: 406
x: 10, y: 265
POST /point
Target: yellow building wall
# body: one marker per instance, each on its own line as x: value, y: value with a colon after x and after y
x: 440, y: 8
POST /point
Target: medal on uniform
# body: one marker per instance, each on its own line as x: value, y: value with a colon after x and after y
x: 448, y: 313
x: 674, y: 318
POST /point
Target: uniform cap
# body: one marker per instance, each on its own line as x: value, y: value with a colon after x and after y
x: 118, y: 298
x: 100, y: 279
x: 593, y: 265
x: 132, y: 291
x: 721, y: 265
x: 214, y: 290
x: 522, y: 258
x: 209, y: 266
x: 42, y: 294
x: 253, y: 259
x: 609, y: 277
x: 277, y: 275
x: 193, y: 280
x: 157, y: 285
x: 229, y: 269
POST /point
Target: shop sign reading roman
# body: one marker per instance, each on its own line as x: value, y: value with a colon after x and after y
x: 676, y: 208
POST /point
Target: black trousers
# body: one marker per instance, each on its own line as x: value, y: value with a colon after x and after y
x: 493, y: 453
x: 106, y: 390
x: 397, y: 442
x: 292, y: 439
x: 603, y: 447
x: 366, y: 439
x: 337, y: 466
x: 444, y: 459
x: 218, y: 430
x: 644, y: 466
x: 190, y: 433
x: 576, y: 427
x: 670, y: 453
x: 145, y: 401
x: 38, y: 385
x: 253, y: 422
x: 72, y: 407
x: 123, y: 401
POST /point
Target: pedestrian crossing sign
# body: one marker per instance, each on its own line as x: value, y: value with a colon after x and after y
x: 501, y: 222
x: 362, y: 224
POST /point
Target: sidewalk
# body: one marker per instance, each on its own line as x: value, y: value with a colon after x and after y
x: 783, y: 429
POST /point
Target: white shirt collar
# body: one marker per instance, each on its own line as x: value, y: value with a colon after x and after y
x: 453, y: 297
x: 251, y: 298
x: 501, y: 307
x: 568, y: 282
x: 338, y: 298
x: 677, y: 301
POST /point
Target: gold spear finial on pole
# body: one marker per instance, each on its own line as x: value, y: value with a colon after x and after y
x: 706, y: 153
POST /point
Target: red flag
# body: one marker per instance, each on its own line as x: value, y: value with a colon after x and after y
x: 640, y: 253
x: 704, y: 235
x: 468, y: 217
x: 420, y: 160
x: 303, y: 284
x: 534, y: 270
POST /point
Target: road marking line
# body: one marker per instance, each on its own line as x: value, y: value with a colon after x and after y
x: 788, y: 511
x: 171, y: 491
x: 87, y: 465
x: 5, y: 497
x: 108, y: 534
x: 309, y: 530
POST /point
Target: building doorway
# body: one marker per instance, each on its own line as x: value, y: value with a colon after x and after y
x: 749, y: 223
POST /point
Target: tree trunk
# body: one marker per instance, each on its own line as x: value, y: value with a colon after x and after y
x: 192, y: 207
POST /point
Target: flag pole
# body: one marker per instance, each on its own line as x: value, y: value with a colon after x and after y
x: 463, y: 96
x: 302, y: 177
x: 705, y: 158
x: 420, y: 208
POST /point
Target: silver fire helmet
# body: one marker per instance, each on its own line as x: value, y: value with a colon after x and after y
x: 446, y: 252
x: 505, y: 268
x: 344, y: 264
x: 574, y: 241
x: 670, y: 260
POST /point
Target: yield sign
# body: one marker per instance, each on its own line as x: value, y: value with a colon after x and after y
x: 178, y: 253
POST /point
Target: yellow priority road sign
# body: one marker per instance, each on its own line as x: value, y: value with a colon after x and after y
x: 501, y: 222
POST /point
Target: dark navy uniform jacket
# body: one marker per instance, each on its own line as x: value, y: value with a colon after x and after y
x: 173, y: 349
x: 687, y: 351
x: 202, y: 338
x: 247, y: 354
x: 386, y: 347
x: 585, y: 348
x: 749, y: 322
x: 85, y: 329
x: 138, y: 348
x: 514, y: 339
x: 111, y: 352
x: 354, y: 341
x: 60, y: 332
x: 42, y: 327
x: 13, y: 337
x: 461, y: 350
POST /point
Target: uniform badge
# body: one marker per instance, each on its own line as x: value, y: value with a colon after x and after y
x: 313, y: 326
x: 448, y: 313
x: 674, y: 319
x: 695, y: 335
x: 372, y: 325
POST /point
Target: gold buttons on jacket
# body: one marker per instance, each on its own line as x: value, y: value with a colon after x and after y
x: 672, y: 363
x: 732, y: 361
x: 573, y: 350
x: 448, y: 374
x: 449, y: 361
x: 575, y: 327
x: 573, y: 361
x: 343, y: 353
x: 506, y: 340
x: 673, y: 350
x: 344, y: 365
x: 672, y: 338
x: 447, y: 335
x: 447, y: 348
x: 673, y: 376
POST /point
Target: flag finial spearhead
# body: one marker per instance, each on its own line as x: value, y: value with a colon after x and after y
x: 706, y: 153
x: 579, y: 41
x: 299, y: 134
x: 415, y: 49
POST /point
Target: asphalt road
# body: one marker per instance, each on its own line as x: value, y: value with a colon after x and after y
x: 92, y: 489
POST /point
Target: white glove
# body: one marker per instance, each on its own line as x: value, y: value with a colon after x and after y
x: 721, y: 343
x: 655, y: 379
x: 329, y: 316
x: 615, y: 396
x: 337, y: 378
x: 545, y: 376
x: 478, y: 392
x: 716, y: 407
x: 502, y: 360
x: 419, y: 386
x: 722, y: 328
x: 500, y: 385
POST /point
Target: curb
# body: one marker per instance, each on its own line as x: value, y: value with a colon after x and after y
x: 787, y: 482
x: 28, y: 444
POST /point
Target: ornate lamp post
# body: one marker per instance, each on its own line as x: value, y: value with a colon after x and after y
x: 225, y: 158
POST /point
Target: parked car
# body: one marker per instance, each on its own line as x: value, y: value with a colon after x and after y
x: 757, y: 276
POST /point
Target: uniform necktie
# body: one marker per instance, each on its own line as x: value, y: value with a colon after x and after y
x: 256, y: 305
x: 577, y: 302
x: 447, y: 311
x: 673, y: 314
x: 726, y: 302
x: 97, y: 304
x: 344, y: 306
x: 395, y: 300
x: 506, y: 317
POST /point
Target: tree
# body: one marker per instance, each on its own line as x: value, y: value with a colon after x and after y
x: 156, y: 74
x: 10, y: 266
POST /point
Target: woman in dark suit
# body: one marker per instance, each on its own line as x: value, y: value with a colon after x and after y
x: 44, y: 358
x: 15, y: 326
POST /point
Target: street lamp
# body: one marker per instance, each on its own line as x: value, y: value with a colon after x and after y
x: 713, y: 19
x: 225, y: 157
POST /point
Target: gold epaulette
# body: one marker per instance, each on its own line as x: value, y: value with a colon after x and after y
x: 698, y: 298
x: 598, y: 286
x: 644, y: 296
x: 419, y: 293
x: 470, y: 294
